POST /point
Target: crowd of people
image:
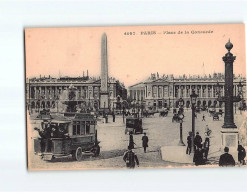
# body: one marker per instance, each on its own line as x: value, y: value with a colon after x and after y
x: 201, y: 150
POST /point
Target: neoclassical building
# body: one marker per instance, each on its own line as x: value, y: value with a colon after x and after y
x: 158, y: 92
x: 46, y: 92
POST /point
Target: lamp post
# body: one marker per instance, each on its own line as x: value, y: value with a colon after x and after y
x: 142, y: 107
x: 240, y: 92
x: 193, y: 97
x: 123, y: 113
x: 57, y: 98
x: 137, y: 109
x: 113, y: 114
x: 169, y: 103
x: 133, y: 106
x: 181, y: 103
x: 89, y: 105
x: 104, y: 109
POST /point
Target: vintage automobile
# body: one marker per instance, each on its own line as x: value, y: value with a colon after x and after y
x: 134, y: 125
x: 67, y: 137
x: 216, y: 116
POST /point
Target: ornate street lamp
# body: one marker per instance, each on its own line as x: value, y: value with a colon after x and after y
x: 134, y: 105
x: 193, y: 97
x: 218, y: 92
x: 137, y: 105
x: 181, y: 103
x: 240, y: 92
x: 217, y: 86
x: 240, y: 89
x: 142, y: 107
x: 89, y: 105
x: 123, y: 112
x: 57, y: 98
x: 181, y: 116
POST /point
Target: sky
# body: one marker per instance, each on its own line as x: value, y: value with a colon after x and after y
x: 132, y: 58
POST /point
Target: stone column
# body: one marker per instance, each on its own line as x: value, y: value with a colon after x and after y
x: 229, y: 115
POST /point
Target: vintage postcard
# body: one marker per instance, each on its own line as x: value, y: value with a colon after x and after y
x: 128, y: 97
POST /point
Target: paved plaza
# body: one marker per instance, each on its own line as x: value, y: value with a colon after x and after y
x: 161, y: 132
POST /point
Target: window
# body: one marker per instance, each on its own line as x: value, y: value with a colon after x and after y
x: 91, y: 127
x: 74, y: 128
x: 83, y: 128
x: 182, y: 93
x: 78, y: 128
x: 187, y: 93
x: 87, y: 127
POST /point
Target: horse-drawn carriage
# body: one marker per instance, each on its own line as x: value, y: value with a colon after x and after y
x: 67, y: 137
x: 212, y: 111
x: 216, y: 116
x: 198, y: 109
x: 203, y: 108
x: 164, y: 113
x: 148, y: 113
x: 177, y: 117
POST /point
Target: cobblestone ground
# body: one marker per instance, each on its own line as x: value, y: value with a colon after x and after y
x: 161, y: 132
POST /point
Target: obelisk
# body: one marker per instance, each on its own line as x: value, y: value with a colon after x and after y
x: 104, y: 94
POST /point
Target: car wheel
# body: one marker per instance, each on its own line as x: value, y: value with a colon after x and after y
x: 78, y: 154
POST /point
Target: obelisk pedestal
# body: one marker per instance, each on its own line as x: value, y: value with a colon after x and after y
x: 104, y: 93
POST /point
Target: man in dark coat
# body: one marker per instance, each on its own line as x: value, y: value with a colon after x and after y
x: 130, y: 158
x: 197, y: 140
x: 206, y: 147
x: 113, y: 117
x: 198, y: 156
x: 131, y: 141
x: 226, y: 159
x: 145, y: 142
x: 241, y: 154
x: 189, y: 142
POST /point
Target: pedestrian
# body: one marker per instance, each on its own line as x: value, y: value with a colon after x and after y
x: 198, y: 156
x: 130, y: 159
x: 226, y: 159
x: 106, y: 118
x: 145, y: 142
x: 241, y: 154
x: 207, y: 131
x: 113, y: 117
x: 197, y: 140
x: 206, y: 147
x: 203, y: 117
x: 189, y: 143
x: 131, y: 141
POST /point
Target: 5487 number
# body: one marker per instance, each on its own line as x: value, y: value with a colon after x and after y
x: 129, y: 33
